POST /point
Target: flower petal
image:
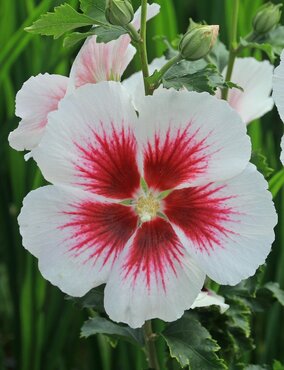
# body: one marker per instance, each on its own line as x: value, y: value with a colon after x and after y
x: 154, y: 278
x: 189, y: 138
x: 39, y: 96
x: 256, y: 80
x: 135, y: 85
x: 75, y: 235
x: 210, y: 298
x: 278, y: 95
x: 152, y: 11
x: 89, y: 142
x: 227, y: 226
x: 97, y: 62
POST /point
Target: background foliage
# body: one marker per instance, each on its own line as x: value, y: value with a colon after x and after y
x: 39, y: 328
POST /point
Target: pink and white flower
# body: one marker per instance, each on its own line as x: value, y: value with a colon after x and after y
x: 148, y: 205
x: 278, y: 95
x: 41, y: 94
x: 255, y: 78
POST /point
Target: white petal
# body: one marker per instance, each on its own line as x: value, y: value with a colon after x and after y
x: 190, y: 138
x: 230, y: 229
x: 96, y: 120
x: 210, y: 298
x: 152, y: 11
x: 152, y: 280
x: 278, y: 87
x: 97, y: 62
x: 278, y: 95
x: 282, y: 150
x: 135, y: 85
x: 38, y: 97
x: 76, y: 236
x: 256, y: 80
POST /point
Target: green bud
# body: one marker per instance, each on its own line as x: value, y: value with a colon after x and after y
x: 267, y: 17
x: 119, y: 12
x: 198, y: 41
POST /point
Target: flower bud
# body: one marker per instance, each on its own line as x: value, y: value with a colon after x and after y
x: 119, y: 12
x: 198, y: 41
x: 267, y: 17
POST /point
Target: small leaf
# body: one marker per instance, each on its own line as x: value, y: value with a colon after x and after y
x: 276, y: 182
x: 93, y: 299
x: 94, y: 9
x: 126, y: 202
x: 164, y: 194
x: 260, y: 161
x: 74, y: 37
x: 277, y: 365
x: 108, y: 33
x: 265, y: 47
x: 194, y: 76
x: 219, y: 55
x: 276, y: 291
x: 144, y: 185
x: 100, y: 325
x: 239, y: 315
x: 63, y: 19
x: 257, y: 367
x: 276, y: 39
x: 191, y: 344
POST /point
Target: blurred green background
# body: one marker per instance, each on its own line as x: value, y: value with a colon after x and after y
x: 39, y: 328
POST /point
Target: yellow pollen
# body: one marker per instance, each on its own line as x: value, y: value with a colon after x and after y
x: 147, y: 207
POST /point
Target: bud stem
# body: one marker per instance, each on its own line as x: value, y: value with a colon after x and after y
x: 233, y: 46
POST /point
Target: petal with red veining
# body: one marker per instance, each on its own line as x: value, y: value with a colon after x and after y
x: 189, y: 139
x: 153, y: 278
x: 89, y: 142
x: 75, y: 235
x: 227, y: 226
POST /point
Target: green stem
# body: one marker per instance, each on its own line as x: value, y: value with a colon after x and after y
x: 150, y: 346
x: 168, y: 65
x: 233, y: 46
x: 139, y: 40
x: 143, y: 44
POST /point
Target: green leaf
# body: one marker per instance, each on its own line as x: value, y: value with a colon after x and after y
x: 100, y: 325
x: 74, y: 37
x: 194, y: 76
x: 260, y: 161
x: 219, y: 55
x: 108, y: 33
x: 276, y: 291
x: 239, y: 315
x: 94, y: 9
x: 144, y: 185
x: 276, y: 39
x: 63, y: 19
x: 265, y: 47
x: 257, y: 367
x: 277, y: 365
x: 191, y: 344
x: 93, y: 299
x: 276, y: 183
